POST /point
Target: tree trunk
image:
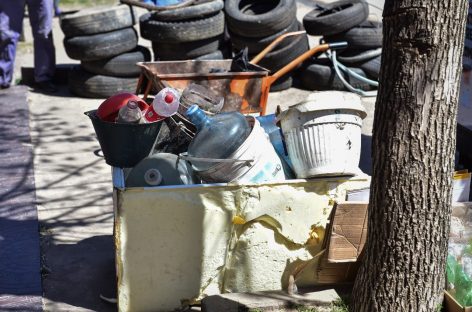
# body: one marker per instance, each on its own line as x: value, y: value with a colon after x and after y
x: 413, y: 150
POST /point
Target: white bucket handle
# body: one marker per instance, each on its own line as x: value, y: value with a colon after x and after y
x: 185, y: 156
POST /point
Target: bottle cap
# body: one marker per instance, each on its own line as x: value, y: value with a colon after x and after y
x: 132, y: 104
x: 169, y: 98
x: 192, y: 109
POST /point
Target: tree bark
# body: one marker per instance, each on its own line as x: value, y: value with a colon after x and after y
x: 413, y: 151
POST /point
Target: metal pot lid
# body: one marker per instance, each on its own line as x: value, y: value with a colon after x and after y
x: 326, y: 100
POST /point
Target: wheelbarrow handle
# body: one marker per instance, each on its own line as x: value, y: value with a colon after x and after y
x: 273, y: 44
x: 300, y: 59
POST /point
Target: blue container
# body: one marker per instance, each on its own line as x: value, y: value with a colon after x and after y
x: 164, y: 3
x: 276, y: 138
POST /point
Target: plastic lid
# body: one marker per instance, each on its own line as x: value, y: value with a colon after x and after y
x: 327, y: 100
x: 192, y: 109
x: 169, y: 98
x: 132, y: 104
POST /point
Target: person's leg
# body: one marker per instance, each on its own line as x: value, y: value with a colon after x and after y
x: 11, y: 24
x: 57, y: 10
x: 40, y: 14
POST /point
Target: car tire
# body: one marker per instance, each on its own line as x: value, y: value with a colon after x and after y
x: 97, y: 20
x: 337, y: 17
x: 320, y: 75
x: 372, y: 67
x: 280, y: 57
x: 123, y: 65
x: 282, y: 83
x: 186, y: 31
x: 357, y: 56
x: 255, y: 45
x: 100, y: 46
x: 259, y: 18
x: 85, y: 84
x: 215, y: 55
x: 366, y: 36
x: 189, y: 12
x: 186, y: 50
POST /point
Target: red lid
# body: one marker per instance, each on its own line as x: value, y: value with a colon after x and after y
x: 151, y: 116
x: 108, y: 110
x: 169, y: 98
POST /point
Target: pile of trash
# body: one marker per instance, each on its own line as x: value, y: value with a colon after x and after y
x: 320, y: 136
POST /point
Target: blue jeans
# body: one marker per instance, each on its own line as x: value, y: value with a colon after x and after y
x: 11, y: 23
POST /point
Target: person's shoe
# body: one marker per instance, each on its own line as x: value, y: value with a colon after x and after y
x: 46, y: 86
x: 4, y: 86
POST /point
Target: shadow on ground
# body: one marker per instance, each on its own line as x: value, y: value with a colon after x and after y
x: 81, y: 273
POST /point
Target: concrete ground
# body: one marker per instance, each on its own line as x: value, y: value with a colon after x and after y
x: 74, y: 190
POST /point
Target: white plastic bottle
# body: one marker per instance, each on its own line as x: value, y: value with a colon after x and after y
x: 166, y: 103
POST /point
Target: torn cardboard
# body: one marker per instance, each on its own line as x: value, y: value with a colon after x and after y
x: 349, y: 232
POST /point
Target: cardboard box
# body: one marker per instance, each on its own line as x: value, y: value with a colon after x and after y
x: 337, y: 273
x: 452, y: 305
x: 348, y: 232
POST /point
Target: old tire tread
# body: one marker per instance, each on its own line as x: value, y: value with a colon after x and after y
x: 186, y: 50
x: 366, y: 36
x: 320, y: 75
x: 123, y: 65
x: 100, y: 46
x: 260, y: 25
x: 176, y: 32
x: 88, y: 85
x: 318, y: 23
x: 189, y: 12
x: 280, y: 57
x: 97, y: 20
x: 255, y: 45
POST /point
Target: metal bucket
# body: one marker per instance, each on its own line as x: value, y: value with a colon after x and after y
x: 124, y: 145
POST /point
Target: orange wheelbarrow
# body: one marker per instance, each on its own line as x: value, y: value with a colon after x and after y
x: 246, y: 92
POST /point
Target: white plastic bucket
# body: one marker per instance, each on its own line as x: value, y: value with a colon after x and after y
x: 323, y: 134
x: 253, y: 162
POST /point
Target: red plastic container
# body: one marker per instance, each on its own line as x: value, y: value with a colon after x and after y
x: 108, y: 110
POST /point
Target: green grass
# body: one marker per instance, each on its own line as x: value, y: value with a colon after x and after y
x: 340, y: 306
x: 306, y: 309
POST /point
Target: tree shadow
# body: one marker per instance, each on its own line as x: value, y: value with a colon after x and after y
x: 365, y: 163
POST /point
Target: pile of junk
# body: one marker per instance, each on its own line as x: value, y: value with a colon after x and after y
x: 207, y: 123
x: 185, y: 137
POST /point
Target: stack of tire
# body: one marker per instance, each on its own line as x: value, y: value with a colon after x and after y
x: 106, y: 43
x: 256, y: 23
x: 191, y: 32
x: 344, y: 20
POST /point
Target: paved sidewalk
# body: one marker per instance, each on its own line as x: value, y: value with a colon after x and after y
x: 20, y: 278
x: 74, y: 196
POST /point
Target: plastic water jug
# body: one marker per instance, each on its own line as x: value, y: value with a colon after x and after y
x: 217, y: 137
